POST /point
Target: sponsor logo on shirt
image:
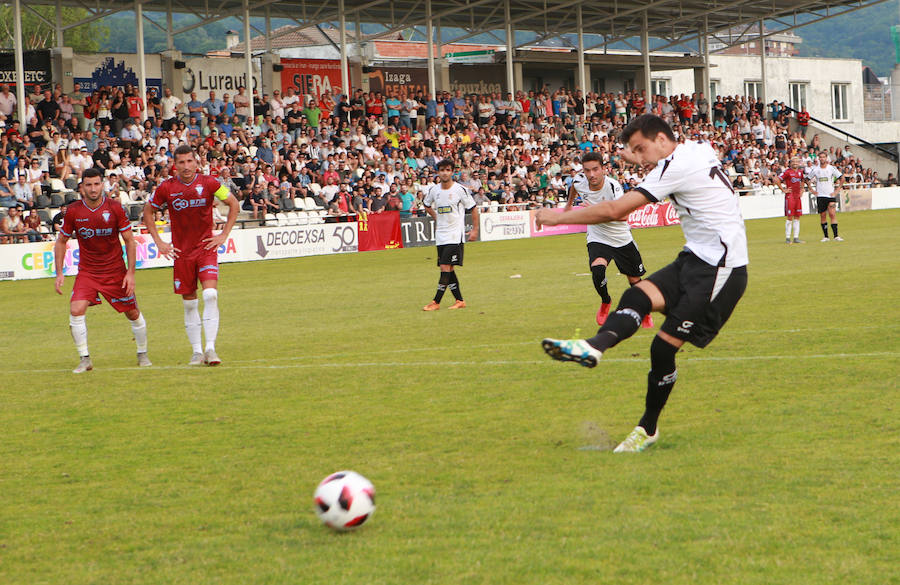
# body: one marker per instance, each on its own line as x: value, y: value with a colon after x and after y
x: 179, y: 204
x: 444, y: 209
x: 87, y: 233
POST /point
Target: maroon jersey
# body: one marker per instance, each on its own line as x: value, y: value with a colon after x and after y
x: 190, y: 209
x: 793, y: 178
x: 97, y: 231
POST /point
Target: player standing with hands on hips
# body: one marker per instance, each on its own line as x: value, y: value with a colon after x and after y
x: 792, y: 184
x: 824, y: 175
x: 98, y: 222
x: 606, y: 241
x: 698, y: 291
x: 190, y: 197
x: 447, y: 203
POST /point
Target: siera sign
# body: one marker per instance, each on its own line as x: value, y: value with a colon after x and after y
x: 311, y: 77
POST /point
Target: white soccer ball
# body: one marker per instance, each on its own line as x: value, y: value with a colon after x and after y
x: 345, y: 500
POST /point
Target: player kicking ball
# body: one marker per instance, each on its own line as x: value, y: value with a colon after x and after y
x: 98, y: 223
x: 697, y: 292
x: 447, y: 203
x: 606, y: 241
x: 189, y: 197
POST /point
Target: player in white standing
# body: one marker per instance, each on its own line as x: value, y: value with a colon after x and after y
x: 824, y: 176
x: 698, y: 291
x: 447, y: 203
x: 98, y: 223
x: 189, y: 197
x: 606, y: 241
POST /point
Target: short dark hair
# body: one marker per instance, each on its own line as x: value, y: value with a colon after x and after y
x: 649, y: 125
x: 92, y: 172
x: 183, y: 149
x: 592, y: 156
x: 446, y: 164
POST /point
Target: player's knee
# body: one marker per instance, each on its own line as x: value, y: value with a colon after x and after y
x: 599, y: 262
x: 210, y: 295
x: 636, y: 299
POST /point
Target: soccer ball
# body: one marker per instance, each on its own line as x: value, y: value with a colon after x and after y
x: 345, y: 500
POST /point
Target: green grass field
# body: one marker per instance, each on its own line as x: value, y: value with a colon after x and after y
x: 778, y: 459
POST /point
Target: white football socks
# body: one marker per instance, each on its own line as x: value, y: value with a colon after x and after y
x: 796, y: 229
x: 787, y: 229
x: 210, y: 316
x: 78, y: 326
x: 192, y: 324
x: 139, y: 329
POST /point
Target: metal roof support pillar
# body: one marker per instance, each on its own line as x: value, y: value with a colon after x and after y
x: 20, y: 66
x: 582, y: 78
x: 345, y: 69
x: 762, y: 66
x: 248, y: 58
x: 704, y: 50
x: 645, y: 53
x: 510, y: 50
x: 268, y: 36
x: 142, y: 67
x: 59, y: 27
x: 429, y: 43
x: 170, y: 37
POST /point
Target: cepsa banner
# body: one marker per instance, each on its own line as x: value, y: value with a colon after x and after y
x: 312, y: 76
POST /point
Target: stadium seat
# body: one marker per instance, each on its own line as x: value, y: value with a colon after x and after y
x: 299, y: 205
x: 309, y: 203
x: 315, y: 188
x: 302, y: 218
x: 135, y: 212
x: 71, y: 183
x: 270, y: 220
x: 287, y: 204
x: 494, y: 206
x: 281, y: 218
x: 57, y: 200
x: 57, y: 186
x: 41, y: 202
x: 45, y: 216
x: 70, y: 196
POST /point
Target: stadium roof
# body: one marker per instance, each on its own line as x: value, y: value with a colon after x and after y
x: 678, y: 23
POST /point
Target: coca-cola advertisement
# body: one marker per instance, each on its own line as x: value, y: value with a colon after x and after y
x: 653, y: 215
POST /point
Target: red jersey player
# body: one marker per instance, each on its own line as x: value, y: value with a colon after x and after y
x: 189, y: 197
x: 792, y: 183
x: 97, y: 223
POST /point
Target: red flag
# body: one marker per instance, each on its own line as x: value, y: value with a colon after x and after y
x: 379, y: 231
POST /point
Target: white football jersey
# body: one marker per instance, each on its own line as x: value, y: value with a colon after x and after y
x: 824, y: 179
x: 693, y: 180
x: 613, y: 233
x: 450, y: 205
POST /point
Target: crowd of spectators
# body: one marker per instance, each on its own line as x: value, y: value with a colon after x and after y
x: 367, y: 152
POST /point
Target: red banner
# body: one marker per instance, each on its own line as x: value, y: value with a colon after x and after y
x: 312, y: 76
x: 379, y: 231
x: 653, y: 215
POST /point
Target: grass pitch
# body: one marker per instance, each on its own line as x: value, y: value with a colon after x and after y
x: 777, y: 461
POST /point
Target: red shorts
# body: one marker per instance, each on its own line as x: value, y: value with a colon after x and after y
x: 89, y: 287
x: 199, y: 265
x: 792, y: 206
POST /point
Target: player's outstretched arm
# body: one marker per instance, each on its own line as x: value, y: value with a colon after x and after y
x: 598, y: 213
x: 59, y: 258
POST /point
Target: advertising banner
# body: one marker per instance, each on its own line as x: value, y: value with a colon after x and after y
x: 396, y: 79
x: 480, y: 79
x: 38, y: 68
x: 312, y: 76
x: 505, y: 225
x: 115, y: 70
x: 554, y: 230
x: 653, y: 215
x: 295, y: 241
x: 379, y: 231
x: 219, y: 74
x: 419, y: 231
x: 856, y: 200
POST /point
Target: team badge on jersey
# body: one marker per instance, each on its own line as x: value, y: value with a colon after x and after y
x: 106, y: 216
x: 199, y: 189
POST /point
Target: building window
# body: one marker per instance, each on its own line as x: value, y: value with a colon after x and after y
x: 713, y: 88
x: 839, y: 105
x: 659, y: 87
x: 798, y: 95
x: 753, y: 89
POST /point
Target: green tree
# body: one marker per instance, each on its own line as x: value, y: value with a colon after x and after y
x: 39, y: 32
